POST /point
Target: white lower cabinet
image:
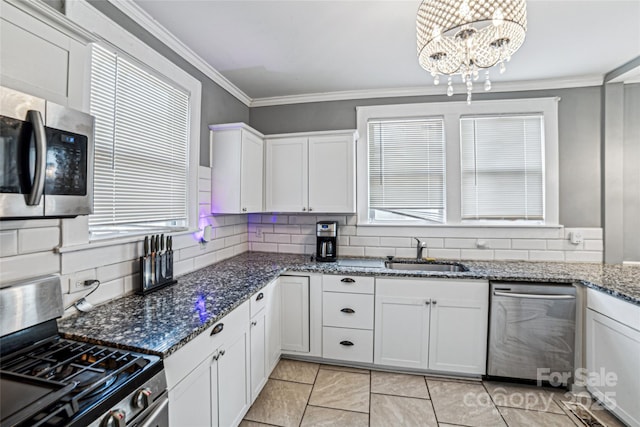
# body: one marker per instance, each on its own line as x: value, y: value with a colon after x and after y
x: 295, y: 313
x: 435, y: 324
x: 258, y: 334
x: 613, y: 354
x: 265, y: 335
x: 213, y: 390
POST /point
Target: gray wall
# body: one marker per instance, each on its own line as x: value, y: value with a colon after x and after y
x: 631, y: 176
x: 218, y: 105
x: 579, y: 134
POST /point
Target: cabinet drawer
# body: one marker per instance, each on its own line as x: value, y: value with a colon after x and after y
x: 259, y: 299
x: 351, y: 284
x: 344, y: 310
x: 355, y: 345
x: 179, y: 364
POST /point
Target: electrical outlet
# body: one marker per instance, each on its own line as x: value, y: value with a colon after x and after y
x: 259, y: 232
x: 76, y: 281
x: 576, y: 237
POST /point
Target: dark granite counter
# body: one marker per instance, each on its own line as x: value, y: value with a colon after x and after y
x: 162, y: 322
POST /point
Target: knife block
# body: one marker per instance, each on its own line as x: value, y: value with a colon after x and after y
x: 156, y: 272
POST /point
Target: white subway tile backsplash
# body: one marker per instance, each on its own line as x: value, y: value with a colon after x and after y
x: 546, y: 256
x: 21, y: 224
x: 479, y: 254
x: 107, y: 291
x: 74, y: 231
x: 8, y: 243
x: 277, y: 238
x: 98, y: 257
x: 302, y: 219
x: 352, y: 219
x: 495, y: 243
x: 444, y: 253
x: 233, y: 240
x: 275, y: 219
x: 38, y: 239
x: 397, y: 242
x: 240, y: 228
x: 241, y: 248
x: 515, y: 255
x: 406, y: 252
x: 303, y: 239
x: 587, y: 233
x: 593, y: 245
x: 347, y: 230
x: 290, y: 229
x: 539, y: 244
x: 263, y: 247
x: 460, y: 243
x: 291, y: 249
x: 114, y: 271
x: 364, y: 241
x: 350, y: 251
x: 204, y: 197
x: 183, y: 267
x: 225, y: 231
x: 379, y: 252
x: 563, y: 245
x: 583, y: 256
x: 204, y: 260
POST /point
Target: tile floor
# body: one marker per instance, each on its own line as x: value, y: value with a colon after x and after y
x: 309, y: 394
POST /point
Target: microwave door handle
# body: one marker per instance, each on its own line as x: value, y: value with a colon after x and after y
x: 37, y: 189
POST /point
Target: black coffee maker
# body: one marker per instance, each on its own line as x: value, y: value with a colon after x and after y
x: 326, y: 241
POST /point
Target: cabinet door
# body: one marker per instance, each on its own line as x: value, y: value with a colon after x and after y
x: 295, y: 313
x: 191, y: 402
x: 226, y: 157
x: 613, y: 363
x: 401, y: 331
x: 458, y: 333
x: 258, y: 353
x: 233, y: 380
x: 332, y: 174
x: 274, y: 334
x: 287, y: 175
x: 251, y: 173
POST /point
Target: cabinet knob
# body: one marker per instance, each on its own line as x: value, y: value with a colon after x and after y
x: 222, y: 352
x: 217, y: 329
x: 304, y: 209
x: 310, y: 209
x: 427, y: 302
x: 244, y: 209
x: 254, y: 323
x: 347, y: 280
x: 434, y: 302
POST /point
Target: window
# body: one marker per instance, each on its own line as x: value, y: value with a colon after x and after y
x: 141, y: 145
x: 406, y: 169
x: 491, y: 163
x: 502, y: 168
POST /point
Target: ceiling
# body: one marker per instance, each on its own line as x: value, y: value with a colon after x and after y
x: 281, y: 48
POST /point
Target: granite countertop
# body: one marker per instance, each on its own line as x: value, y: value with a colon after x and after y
x: 162, y: 322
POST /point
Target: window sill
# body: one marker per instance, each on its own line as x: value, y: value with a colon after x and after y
x: 114, y: 240
x: 459, y: 226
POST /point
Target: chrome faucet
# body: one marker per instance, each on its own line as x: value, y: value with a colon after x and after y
x: 421, y: 245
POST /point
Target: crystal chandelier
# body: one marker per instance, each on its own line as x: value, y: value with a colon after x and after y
x: 466, y: 36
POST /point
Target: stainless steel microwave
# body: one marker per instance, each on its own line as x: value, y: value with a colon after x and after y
x: 46, y: 158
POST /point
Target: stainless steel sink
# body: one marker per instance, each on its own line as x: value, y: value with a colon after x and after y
x: 425, y: 266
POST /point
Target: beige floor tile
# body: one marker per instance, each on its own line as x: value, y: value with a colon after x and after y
x: 341, y: 390
x: 523, y: 418
x: 297, y: 371
x: 247, y: 423
x: 401, y: 411
x: 399, y: 384
x: 281, y: 403
x: 325, y: 417
x: 455, y: 380
x: 525, y: 397
x: 345, y: 369
x: 463, y: 403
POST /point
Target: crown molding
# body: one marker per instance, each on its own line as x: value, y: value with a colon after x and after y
x: 146, y: 21
x: 51, y: 16
x: 516, y: 86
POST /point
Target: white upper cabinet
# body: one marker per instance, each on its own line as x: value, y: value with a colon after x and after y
x: 287, y: 189
x: 311, y: 172
x: 237, y: 159
x: 43, y: 54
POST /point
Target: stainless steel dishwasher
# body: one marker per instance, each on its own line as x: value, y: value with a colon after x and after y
x: 532, y: 331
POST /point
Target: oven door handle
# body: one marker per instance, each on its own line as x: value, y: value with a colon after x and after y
x: 533, y: 296
x: 35, y: 118
x: 151, y: 419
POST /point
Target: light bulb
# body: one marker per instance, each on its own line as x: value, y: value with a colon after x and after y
x: 498, y: 17
x: 487, y: 84
x: 476, y: 75
x: 469, y: 85
x: 449, y: 88
x: 464, y: 9
x: 468, y: 98
x: 503, y: 68
x: 436, y: 80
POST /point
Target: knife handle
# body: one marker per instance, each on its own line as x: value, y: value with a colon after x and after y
x: 162, y: 242
x: 146, y: 245
x: 153, y: 244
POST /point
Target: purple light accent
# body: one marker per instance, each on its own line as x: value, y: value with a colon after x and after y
x: 202, y: 223
x: 274, y: 218
x: 201, y: 308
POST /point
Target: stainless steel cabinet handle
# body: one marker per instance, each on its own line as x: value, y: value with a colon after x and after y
x: 533, y: 296
x: 346, y: 343
x: 427, y: 302
x: 347, y: 280
x: 151, y: 419
x: 434, y: 302
x: 222, y: 352
x: 348, y: 310
x: 37, y: 189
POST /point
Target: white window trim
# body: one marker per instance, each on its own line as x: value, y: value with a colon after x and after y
x: 452, y: 111
x: 88, y: 17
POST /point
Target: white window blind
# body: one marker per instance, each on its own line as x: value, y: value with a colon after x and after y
x: 502, y: 167
x: 141, y: 145
x: 406, y: 169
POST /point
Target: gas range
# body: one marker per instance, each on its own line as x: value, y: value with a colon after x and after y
x: 46, y: 380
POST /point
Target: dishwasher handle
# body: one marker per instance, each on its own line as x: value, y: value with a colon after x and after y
x: 533, y: 296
